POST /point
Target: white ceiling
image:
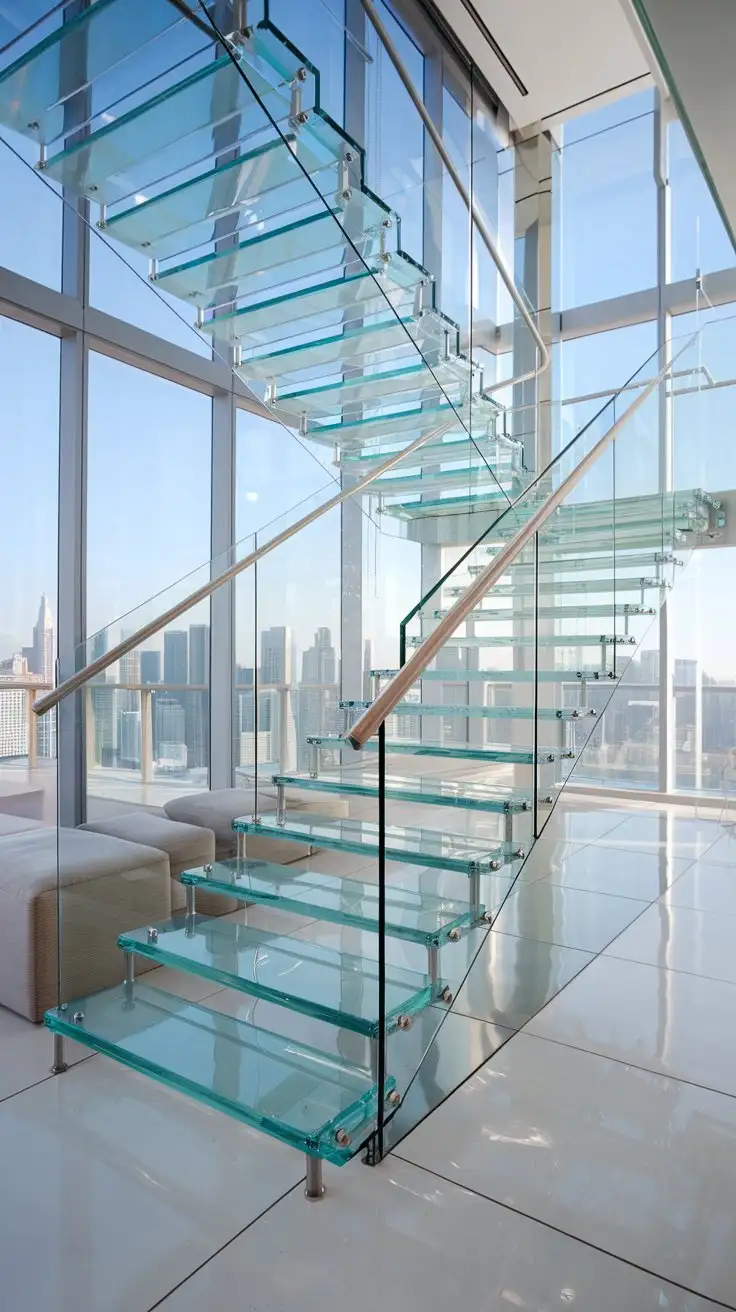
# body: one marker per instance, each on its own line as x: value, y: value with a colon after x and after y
x: 565, y: 52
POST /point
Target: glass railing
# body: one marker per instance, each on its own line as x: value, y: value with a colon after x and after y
x: 515, y: 696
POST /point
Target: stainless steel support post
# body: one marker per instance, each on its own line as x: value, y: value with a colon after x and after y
x: 129, y: 968
x: 433, y: 966
x: 475, y: 889
x: 280, y: 805
x: 314, y: 1187
x: 508, y: 826
x: 241, y: 847
x: 60, y: 1063
x: 313, y: 760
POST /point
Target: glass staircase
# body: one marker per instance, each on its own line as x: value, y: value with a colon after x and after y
x: 251, y: 205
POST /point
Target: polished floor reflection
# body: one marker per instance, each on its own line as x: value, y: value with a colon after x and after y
x: 567, y: 1135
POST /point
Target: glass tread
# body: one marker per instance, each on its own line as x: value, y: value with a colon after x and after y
x: 259, y: 261
x: 469, y: 475
x: 377, y: 429
x: 454, y: 751
x: 295, y: 1093
x: 505, y: 676
x: 369, y: 340
x: 555, y: 563
x: 429, y: 791
x: 532, y: 640
x: 334, y: 987
x: 38, y: 86
x: 453, y: 375
x: 489, y: 614
x: 425, y: 847
x: 483, y: 712
x: 260, y: 184
x: 370, y: 290
x: 449, y: 446
x: 168, y: 133
x: 616, y: 583
x: 414, y: 916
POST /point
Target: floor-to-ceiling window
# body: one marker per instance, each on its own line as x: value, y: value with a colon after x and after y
x: 640, y: 253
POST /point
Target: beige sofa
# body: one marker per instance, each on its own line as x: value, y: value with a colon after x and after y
x: 106, y: 885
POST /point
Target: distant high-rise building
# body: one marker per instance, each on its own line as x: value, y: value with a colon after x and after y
x: 176, y: 657
x: 276, y: 655
x: 198, y: 701
x: 319, y: 663
x: 316, y: 705
x: 40, y: 656
x: 13, y: 719
x: 169, y: 728
x: 98, y: 645
x: 150, y: 667
x: 130, y: 739
x: 13, y: 707
x: 686, y: 673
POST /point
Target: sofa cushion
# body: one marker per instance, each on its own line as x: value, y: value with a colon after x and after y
x: 218, y: 809
x: 17, y: 824
x: 187, y: 846
x: 106, y: 886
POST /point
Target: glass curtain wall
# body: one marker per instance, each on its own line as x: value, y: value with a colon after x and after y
x: 639, y: 257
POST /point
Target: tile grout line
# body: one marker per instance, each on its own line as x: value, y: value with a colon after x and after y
x: 548, y: 1225
x: 227, y: 1244
x: 52, y: 1075
x: 621, y: 1061
x: 522, y: 1028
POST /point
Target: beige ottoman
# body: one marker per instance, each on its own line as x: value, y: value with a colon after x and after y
x: 107, y: 886
x: 187, y: 847
x: 217, y: 810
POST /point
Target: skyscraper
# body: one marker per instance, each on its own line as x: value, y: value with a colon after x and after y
x: 319, y: 663
x: 176, y: 657
x: 41, y: 654
x: 198, y: 701
x: 170, y: 730
x: 317, y: 699
x: 276, y: 655
x: 150, y: 667
x: 130, y: 739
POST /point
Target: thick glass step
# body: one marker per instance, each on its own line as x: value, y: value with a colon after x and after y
x: 561, y: 587
x: 506, y: 614
x: 261, y: 184
x: 532, y: 640
x: 553, y: 561
x: 482, y: 712
x: 505, y: 676
x: 454, y: 751
x: 482, y: 497
x: 368, y: 291
x: 423, y: 847
x: 170, y: 132
x: 373, y: 430
x: 500, y: 452
x: 409, y: 384
x: 299, y: 1095
x: 477, y: 474
x: 305, y: 977
x: 41, y: 87
x: 429, y: 791
x: 364, y: 344
x: 415, y: 917
x: 296, y: 249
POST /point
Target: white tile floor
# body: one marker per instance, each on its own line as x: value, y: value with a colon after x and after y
x: 589, y: 1161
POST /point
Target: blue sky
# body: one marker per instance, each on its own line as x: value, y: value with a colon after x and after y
x: 148, y: 516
